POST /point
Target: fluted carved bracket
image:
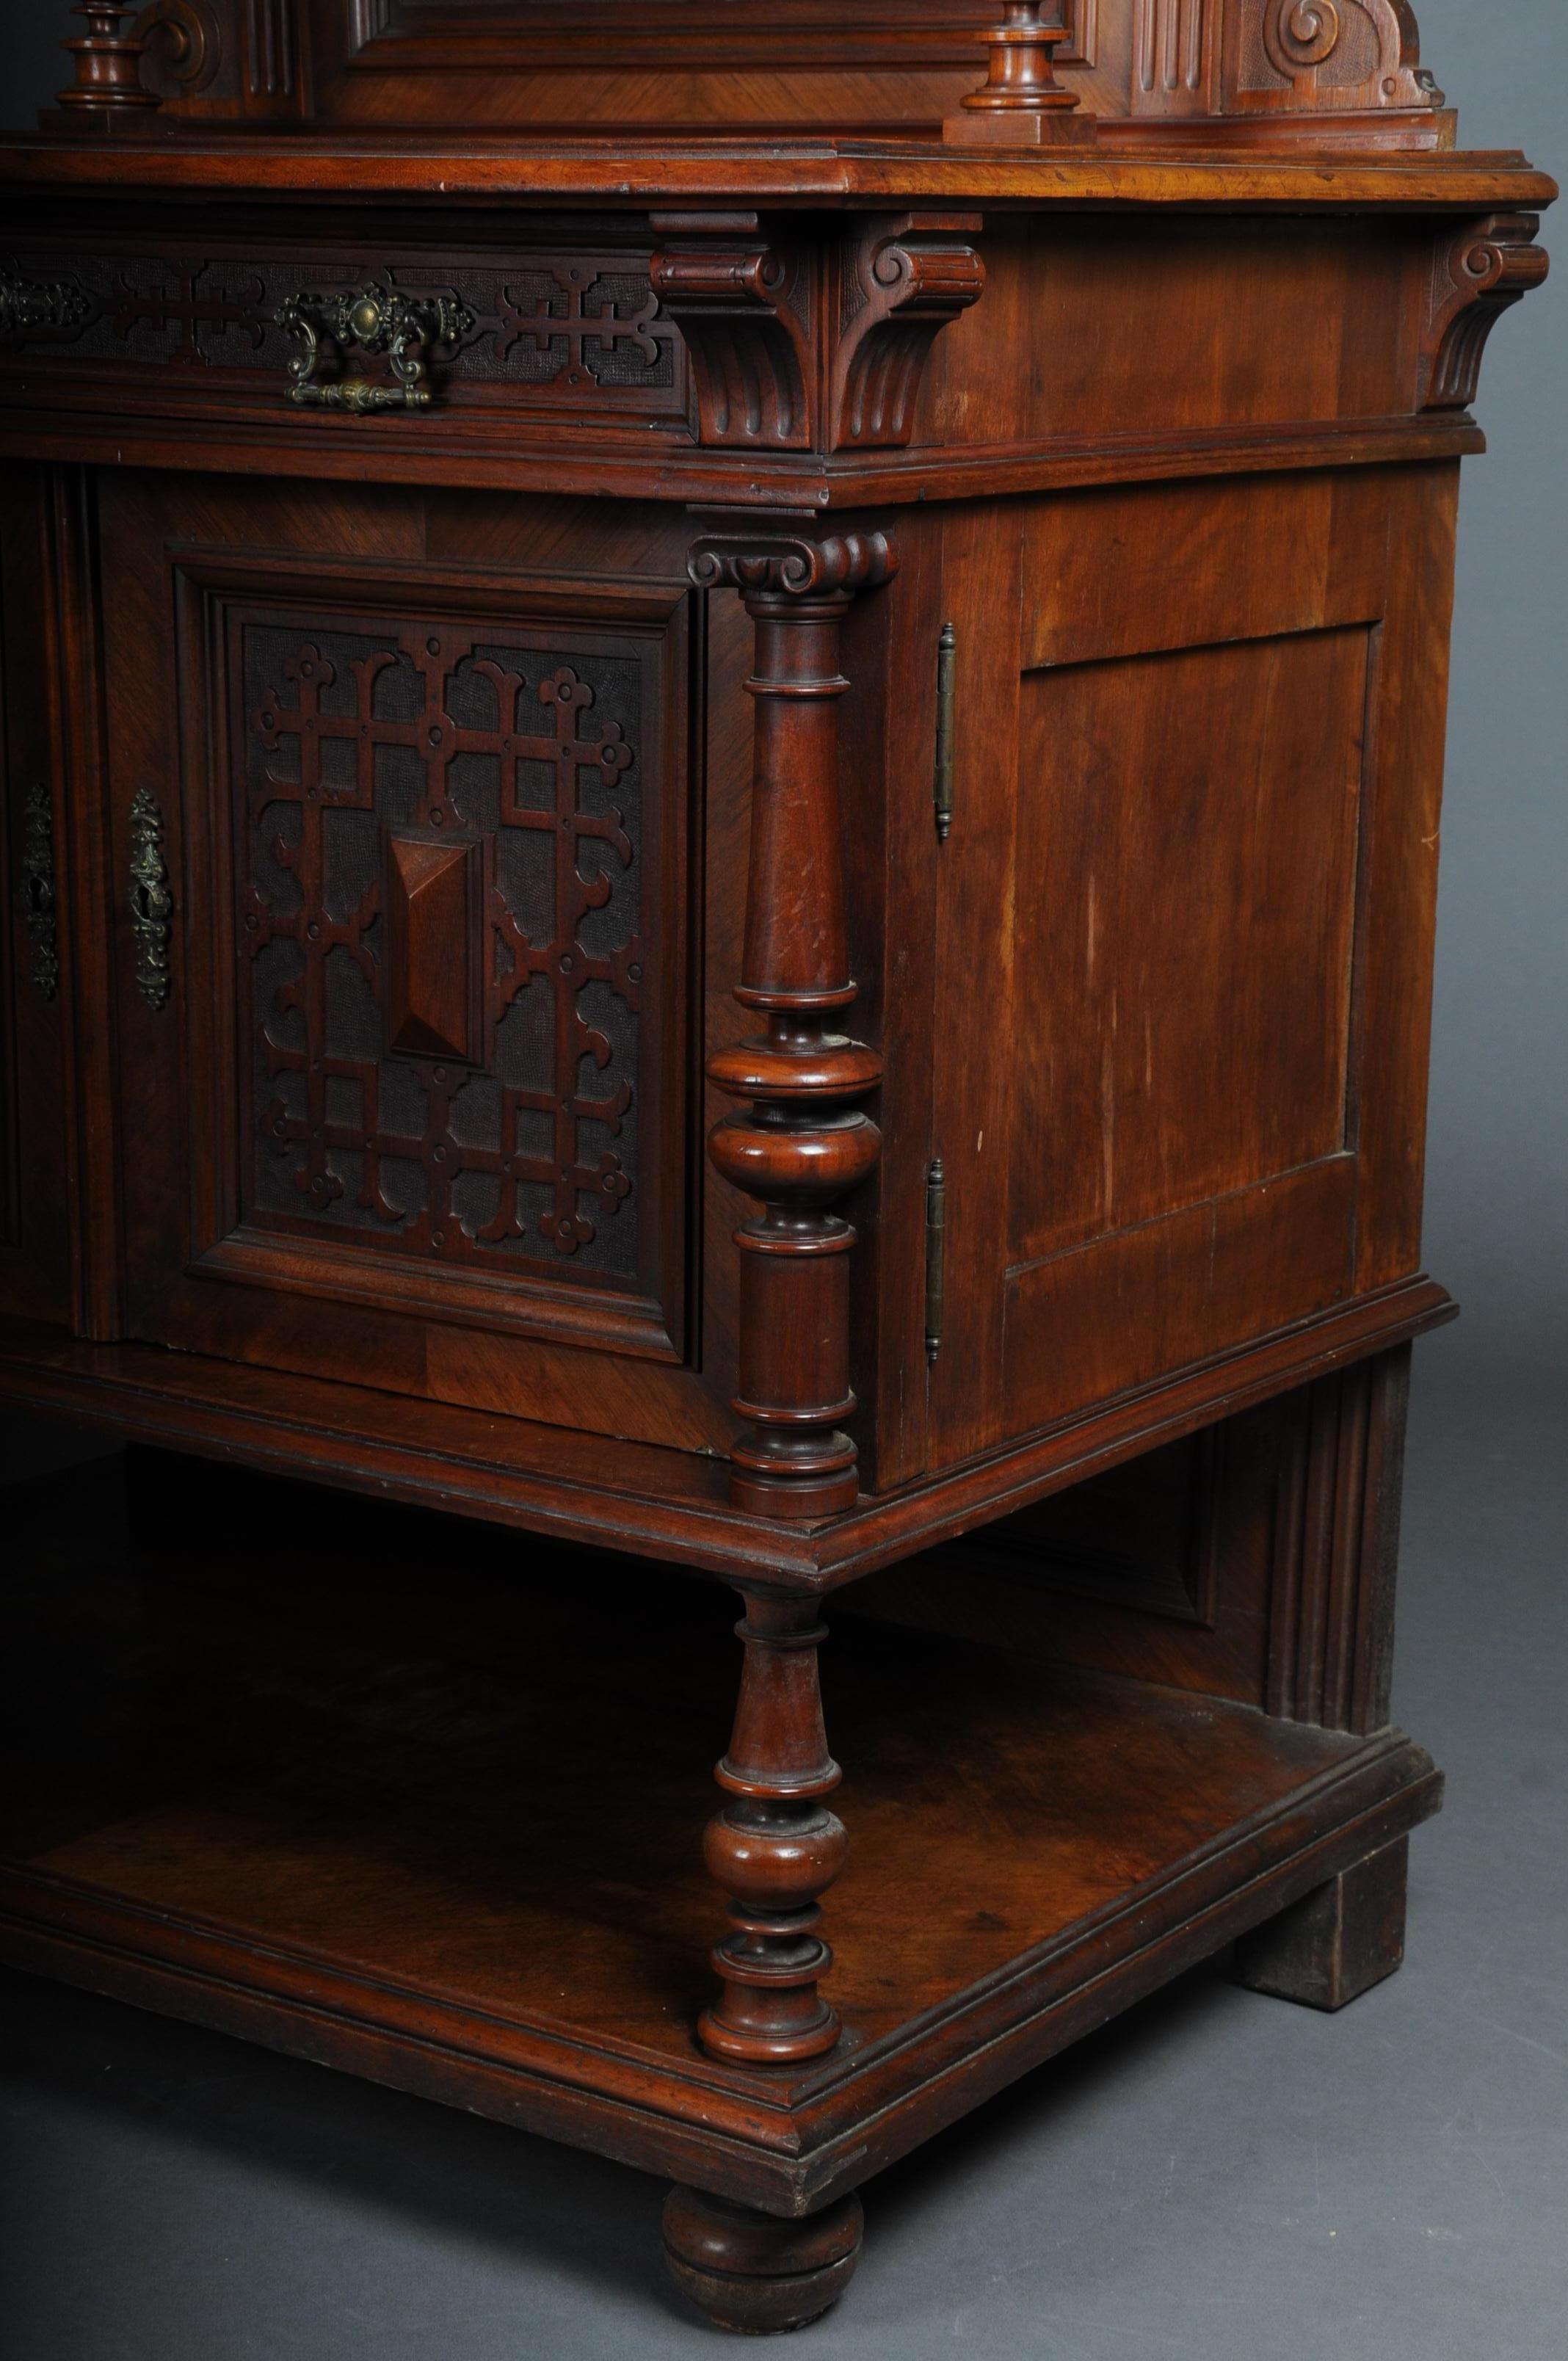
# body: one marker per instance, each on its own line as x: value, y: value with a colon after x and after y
x: 745, y: 306
x: 1475, y: 276
x: 801, y: 1141
x: 906, y: 279
x: 775, y: 1847
x: 790, y: 354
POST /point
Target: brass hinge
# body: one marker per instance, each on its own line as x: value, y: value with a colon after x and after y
x: 942, y: 774
x: 936, y: 1256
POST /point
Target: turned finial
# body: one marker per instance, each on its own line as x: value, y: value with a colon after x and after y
x: 109, y: 64
x: 1021, y: 103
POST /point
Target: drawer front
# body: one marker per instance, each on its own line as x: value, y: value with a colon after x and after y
x: 563, y: 331
x: 402, y: 843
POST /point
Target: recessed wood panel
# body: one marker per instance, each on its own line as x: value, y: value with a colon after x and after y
x: 1187, y: 830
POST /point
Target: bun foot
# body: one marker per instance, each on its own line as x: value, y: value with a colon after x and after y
x: 753, y: 2273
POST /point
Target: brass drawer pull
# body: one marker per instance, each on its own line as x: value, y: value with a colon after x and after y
x: 370, y: 320
x: 152, y: 905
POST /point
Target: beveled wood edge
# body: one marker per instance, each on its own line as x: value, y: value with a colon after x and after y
x: 496, y: 456
x: 638, y: 170
x: 659, y: 1503
x: 788, y: 2147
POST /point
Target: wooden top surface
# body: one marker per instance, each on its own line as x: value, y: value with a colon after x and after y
x: 642, y: 170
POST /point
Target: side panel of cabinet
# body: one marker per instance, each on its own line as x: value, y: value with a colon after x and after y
x: 1194, y: 861
x: 400, y: 790
x: 36, y: 1157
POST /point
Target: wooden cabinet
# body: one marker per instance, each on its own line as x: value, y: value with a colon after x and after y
x: 721, y: 846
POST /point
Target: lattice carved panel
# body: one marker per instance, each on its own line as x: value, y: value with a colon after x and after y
x: 439, y: 935
x: 570, y: 324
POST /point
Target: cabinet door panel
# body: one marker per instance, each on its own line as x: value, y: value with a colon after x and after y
x: 1209, y: 846
x: 418, y: 1103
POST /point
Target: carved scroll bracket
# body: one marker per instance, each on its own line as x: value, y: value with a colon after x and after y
x: 793, y: 352
x: 1477, y: 274
x: 745, y: 304
x: 905, y: 278
x: 802, y: 1141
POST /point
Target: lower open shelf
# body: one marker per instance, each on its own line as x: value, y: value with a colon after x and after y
x: 424, y: 1801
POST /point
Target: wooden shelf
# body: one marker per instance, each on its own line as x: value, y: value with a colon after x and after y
x: 426, y: 1802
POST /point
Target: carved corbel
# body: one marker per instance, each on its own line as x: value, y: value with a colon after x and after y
x: 1350, y: 55
x: 744, y: 305
x: 904, y: 280
x: 1477, y: 274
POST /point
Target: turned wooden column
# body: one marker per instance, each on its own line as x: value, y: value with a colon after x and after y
x: 802, y: 1141
x: 775, y: 1847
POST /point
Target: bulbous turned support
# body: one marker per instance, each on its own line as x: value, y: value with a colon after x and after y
x: 775, y: 1847
x: 753, y: 2273
x: 801, y: 1141
x: 108, y: 64
x: 1021, y: 103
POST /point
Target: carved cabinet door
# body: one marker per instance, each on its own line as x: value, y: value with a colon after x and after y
x: 400, y: 791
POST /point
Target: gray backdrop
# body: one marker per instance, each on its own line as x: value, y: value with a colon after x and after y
x: 1216, y: 2173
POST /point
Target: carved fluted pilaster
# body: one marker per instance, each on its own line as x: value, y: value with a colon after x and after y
x: 803, y: 1141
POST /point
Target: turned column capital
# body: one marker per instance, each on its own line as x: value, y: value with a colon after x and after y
x: 794, y: 564
x: 801, y: 1141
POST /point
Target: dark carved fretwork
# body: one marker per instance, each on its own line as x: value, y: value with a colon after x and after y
x: 440, y: 921
x: 380, y: 321
x: 152, y: 904
x: 1475, y: 276
x: 803, y: 1142
x: 905, y: 280
x: 39, y: 307
x: 586, y: 326
x: 38, y: 889
x: 745, y: 306
x: 1021, y: 103
x: 775, y: 1847
x: 108, y: 64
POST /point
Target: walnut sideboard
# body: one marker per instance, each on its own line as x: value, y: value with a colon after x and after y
x: 723, y: 733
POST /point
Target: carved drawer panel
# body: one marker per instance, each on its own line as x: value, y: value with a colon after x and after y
x: 561, y: 329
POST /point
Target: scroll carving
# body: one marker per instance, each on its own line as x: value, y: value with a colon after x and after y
x: 186, y: 42
x: 786, y: 358
x: 744, y: 307
x: 905, y: 280
x: 1317, y: 54
x: 1475, y: 276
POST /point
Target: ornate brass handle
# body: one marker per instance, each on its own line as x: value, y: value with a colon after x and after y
x: 370, y: 320
x: 152, y: 905
x: 38, y: 889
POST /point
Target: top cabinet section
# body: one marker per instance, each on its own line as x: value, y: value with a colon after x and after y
x: 1150, y: 69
